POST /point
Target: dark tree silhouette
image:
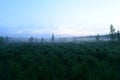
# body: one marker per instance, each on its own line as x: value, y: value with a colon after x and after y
x: 112, y: 32
x: 7, y: 39
x: 42, y: 40
x: 31, y: 39
x: 2, y: 40
x: 53, y: 38
x: 118, y: 35
x: 97, y: 37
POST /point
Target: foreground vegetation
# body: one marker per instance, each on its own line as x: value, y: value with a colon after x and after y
x: 60, y: 61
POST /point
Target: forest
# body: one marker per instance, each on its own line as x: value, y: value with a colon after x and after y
x: 98, y: 60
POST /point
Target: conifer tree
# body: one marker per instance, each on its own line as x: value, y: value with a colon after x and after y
x: 31, y: 39
x: 53, y: 38
x: 97, y: 37
x: 118, y: 35
x: 112, y: 32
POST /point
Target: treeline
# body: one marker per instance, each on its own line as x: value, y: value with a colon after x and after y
x: 4, y: 40
x: 29, y: 40
x: 113, y: 35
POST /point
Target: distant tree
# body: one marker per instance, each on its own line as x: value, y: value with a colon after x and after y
x: 53, y: 38
x: 31, y: 39
x: 6, y: 39
x: 112, y: 32
x: 2, y: 40
x: 97, y: 37
x: 42, y: 40
x: 118, y: 35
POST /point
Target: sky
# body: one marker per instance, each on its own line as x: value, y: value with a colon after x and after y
x: 61, y: 17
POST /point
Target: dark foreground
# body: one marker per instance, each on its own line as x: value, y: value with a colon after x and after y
x: 60, y: 61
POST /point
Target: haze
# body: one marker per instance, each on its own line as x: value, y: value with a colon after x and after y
x: 61, y: 17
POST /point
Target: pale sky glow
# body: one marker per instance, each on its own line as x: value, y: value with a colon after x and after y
x: 62, y: 17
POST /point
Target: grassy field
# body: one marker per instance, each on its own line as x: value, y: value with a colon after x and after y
x: 60, y: 61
